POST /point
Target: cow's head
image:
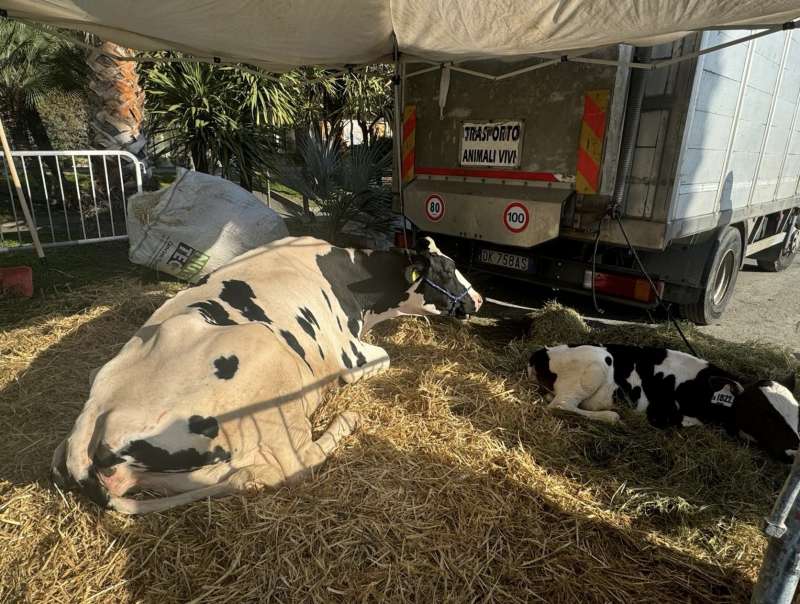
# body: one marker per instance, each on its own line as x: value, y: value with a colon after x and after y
x: 436, y: 286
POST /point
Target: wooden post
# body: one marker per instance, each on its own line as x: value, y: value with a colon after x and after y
x: 12, y: 169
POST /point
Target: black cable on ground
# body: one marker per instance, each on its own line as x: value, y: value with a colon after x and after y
x: 594, y: 264
x: 659, y: 300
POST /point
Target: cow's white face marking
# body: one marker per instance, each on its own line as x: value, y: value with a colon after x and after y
x: 783, y: 401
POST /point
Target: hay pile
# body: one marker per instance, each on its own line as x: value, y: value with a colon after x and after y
x: 459, y: 487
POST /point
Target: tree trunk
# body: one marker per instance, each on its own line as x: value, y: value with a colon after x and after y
x: 364, y: 131
x: 116, y: 100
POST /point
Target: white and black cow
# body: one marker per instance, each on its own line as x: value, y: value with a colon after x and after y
x: 672, y: 388
x: 213, y: 394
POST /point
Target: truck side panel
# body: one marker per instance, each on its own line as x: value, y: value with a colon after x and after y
x: 736, y: 150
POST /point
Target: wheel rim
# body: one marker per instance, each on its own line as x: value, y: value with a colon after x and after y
x: 792, y: 242
x: 724, y: 274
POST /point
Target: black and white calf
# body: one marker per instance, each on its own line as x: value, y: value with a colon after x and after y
x: 214, y: 393
x: 672, y: 388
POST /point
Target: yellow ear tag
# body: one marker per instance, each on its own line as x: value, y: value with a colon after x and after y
x: 414, y: 276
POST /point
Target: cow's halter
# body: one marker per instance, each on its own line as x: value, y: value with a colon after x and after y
x: 454, y: 300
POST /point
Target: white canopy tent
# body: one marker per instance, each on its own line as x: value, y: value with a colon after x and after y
x: 278, y: 35
x: 281, y: 34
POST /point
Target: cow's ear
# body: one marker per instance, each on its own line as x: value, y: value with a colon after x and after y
x: 414, y: 272
x: 790, y: 382
x: 717, y: 382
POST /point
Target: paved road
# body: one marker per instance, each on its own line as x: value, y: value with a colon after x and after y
x: 765, y: 306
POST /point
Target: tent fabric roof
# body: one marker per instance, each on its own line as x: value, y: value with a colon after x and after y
x: 282, y: 34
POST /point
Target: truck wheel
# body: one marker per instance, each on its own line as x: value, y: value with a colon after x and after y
x: 783, y: 255
x: 718, y: 289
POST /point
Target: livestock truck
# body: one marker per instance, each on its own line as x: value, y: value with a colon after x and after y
x: 555, y: 170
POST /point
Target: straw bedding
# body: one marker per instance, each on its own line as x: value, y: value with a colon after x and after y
x: 459, y: 487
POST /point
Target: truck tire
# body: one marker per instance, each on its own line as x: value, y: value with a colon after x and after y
x: 719, y: 285
x: 783, y: 255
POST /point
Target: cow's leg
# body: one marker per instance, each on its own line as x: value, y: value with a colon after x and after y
x: 375, y: 359
x: 591, y: 390
x: 317, y: 451
x: 572, y: 405
x: 256, y: 477
x: 602, y: 400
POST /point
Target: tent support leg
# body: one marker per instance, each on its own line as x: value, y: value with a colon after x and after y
x: 12, y: 169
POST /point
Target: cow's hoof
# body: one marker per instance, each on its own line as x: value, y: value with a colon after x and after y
x: 611, y: 417
x: 352, y: 419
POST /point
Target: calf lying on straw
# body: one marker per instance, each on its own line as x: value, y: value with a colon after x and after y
x: 673, y: 388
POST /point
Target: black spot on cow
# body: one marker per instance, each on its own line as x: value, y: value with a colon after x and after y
x: 327, y: 300
x: 339, y: 323
x: 296, y: 346
x: 609, y: 360
x: 205, y: 426
x: 201, y: 281
x: 104, y: 459
x: 636, y: 394
x: 367, y: 281
x: 226, y: 367
x: 540, y: 361
x: 346, y: 360
x: 241, y: 297
x: 361, y: 360
x: 213, y: 312
x: 353, y: 326
x: 307, y: 327
x: 309, y: 316
x: 147, y: 456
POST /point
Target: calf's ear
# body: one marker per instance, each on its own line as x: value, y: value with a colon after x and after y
x: 718, y: 383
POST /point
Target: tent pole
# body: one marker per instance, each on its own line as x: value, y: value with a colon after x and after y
x: 12, y: 169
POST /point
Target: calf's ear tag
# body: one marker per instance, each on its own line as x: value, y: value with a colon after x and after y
x: 412, y: 274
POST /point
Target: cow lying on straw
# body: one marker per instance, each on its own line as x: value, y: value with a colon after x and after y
x: 214, y: 393
x: 673, y: 388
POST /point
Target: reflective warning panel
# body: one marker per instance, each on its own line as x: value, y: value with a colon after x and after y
x: 590, y: 144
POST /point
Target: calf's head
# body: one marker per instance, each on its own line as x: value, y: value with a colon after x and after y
x: 436, y: 286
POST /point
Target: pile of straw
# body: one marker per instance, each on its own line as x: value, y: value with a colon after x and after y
x: 459, y: 487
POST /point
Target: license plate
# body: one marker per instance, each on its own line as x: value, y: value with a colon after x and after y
x: 505, y: 260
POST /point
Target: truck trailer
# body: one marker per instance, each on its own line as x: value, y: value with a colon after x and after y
x: 560, y: 170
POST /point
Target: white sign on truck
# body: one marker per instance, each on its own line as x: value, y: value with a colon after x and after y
x: 493, y: 144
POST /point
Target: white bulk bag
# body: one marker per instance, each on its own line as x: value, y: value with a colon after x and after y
x: 197, y: 224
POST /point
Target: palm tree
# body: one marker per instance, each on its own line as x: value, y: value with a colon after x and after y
x: 223, y: 119
x: 116, y: 99
x: 34, y: 64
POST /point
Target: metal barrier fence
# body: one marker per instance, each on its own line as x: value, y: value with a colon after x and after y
x: 75, y: 197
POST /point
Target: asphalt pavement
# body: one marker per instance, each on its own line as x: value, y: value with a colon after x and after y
x: 765, y: 306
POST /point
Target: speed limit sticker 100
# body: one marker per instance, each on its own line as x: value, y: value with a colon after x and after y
x: 434, y: 208
x: 516, y: 217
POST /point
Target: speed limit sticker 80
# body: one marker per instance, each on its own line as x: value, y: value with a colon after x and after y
x: 434, y: 208
x: 516, y: 217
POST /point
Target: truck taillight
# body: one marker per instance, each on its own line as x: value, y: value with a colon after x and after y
x: 403, y: 239
x: 623, y: 286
